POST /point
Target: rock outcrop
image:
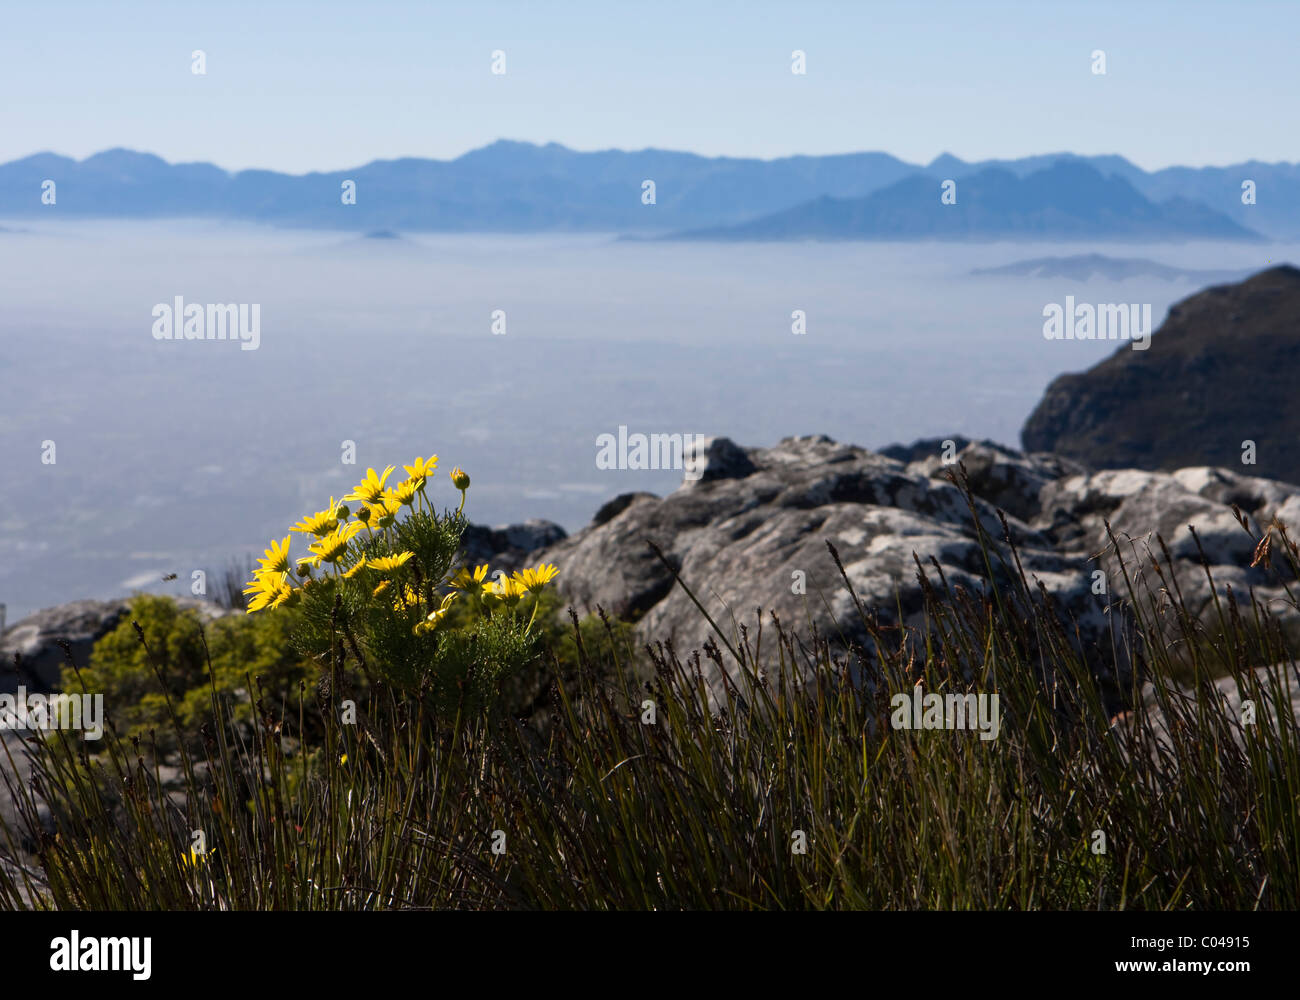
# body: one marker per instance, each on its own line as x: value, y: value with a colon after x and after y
x: 508, y: 547
x: 753, y: 537
x: 35, y: 639
x: 1221, y: 371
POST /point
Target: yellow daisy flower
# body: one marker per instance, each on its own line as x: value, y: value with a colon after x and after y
x: 360, y: 565
x: 320, y: 523
x: 471, y: 583
x: 386, y: 564
x: 262, y: 580
x: 384, y: 509
x: 371, y: 488
x: 404, y: 492
x: 330, y: 547
x: 506, y: 590
x: 276, y: 558
x: 269, y: 591
x: 533, y: 580
x: 421, y: 470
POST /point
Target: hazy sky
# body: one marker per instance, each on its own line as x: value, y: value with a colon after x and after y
x: 329, y: 85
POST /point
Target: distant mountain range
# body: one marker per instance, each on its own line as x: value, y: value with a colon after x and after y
x: 1066, y: 200
x: 522, y: 187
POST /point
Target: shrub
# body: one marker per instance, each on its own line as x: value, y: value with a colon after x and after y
x: 377, y: 587
x: 162, y: 660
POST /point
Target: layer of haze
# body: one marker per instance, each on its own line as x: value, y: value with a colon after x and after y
x: 174, y: 456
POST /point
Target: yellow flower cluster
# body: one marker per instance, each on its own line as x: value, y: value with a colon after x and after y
x: 504, y: 590
x: 381, y: 503
x: 332, y: 556
x: 332, y: 529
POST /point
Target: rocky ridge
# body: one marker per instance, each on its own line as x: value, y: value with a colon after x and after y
x: 751, y: 533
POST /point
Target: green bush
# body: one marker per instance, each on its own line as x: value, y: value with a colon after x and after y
x: 376, y: 587
x: 174, y: 662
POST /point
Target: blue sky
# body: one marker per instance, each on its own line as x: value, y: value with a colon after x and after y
x: 326, y: 85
